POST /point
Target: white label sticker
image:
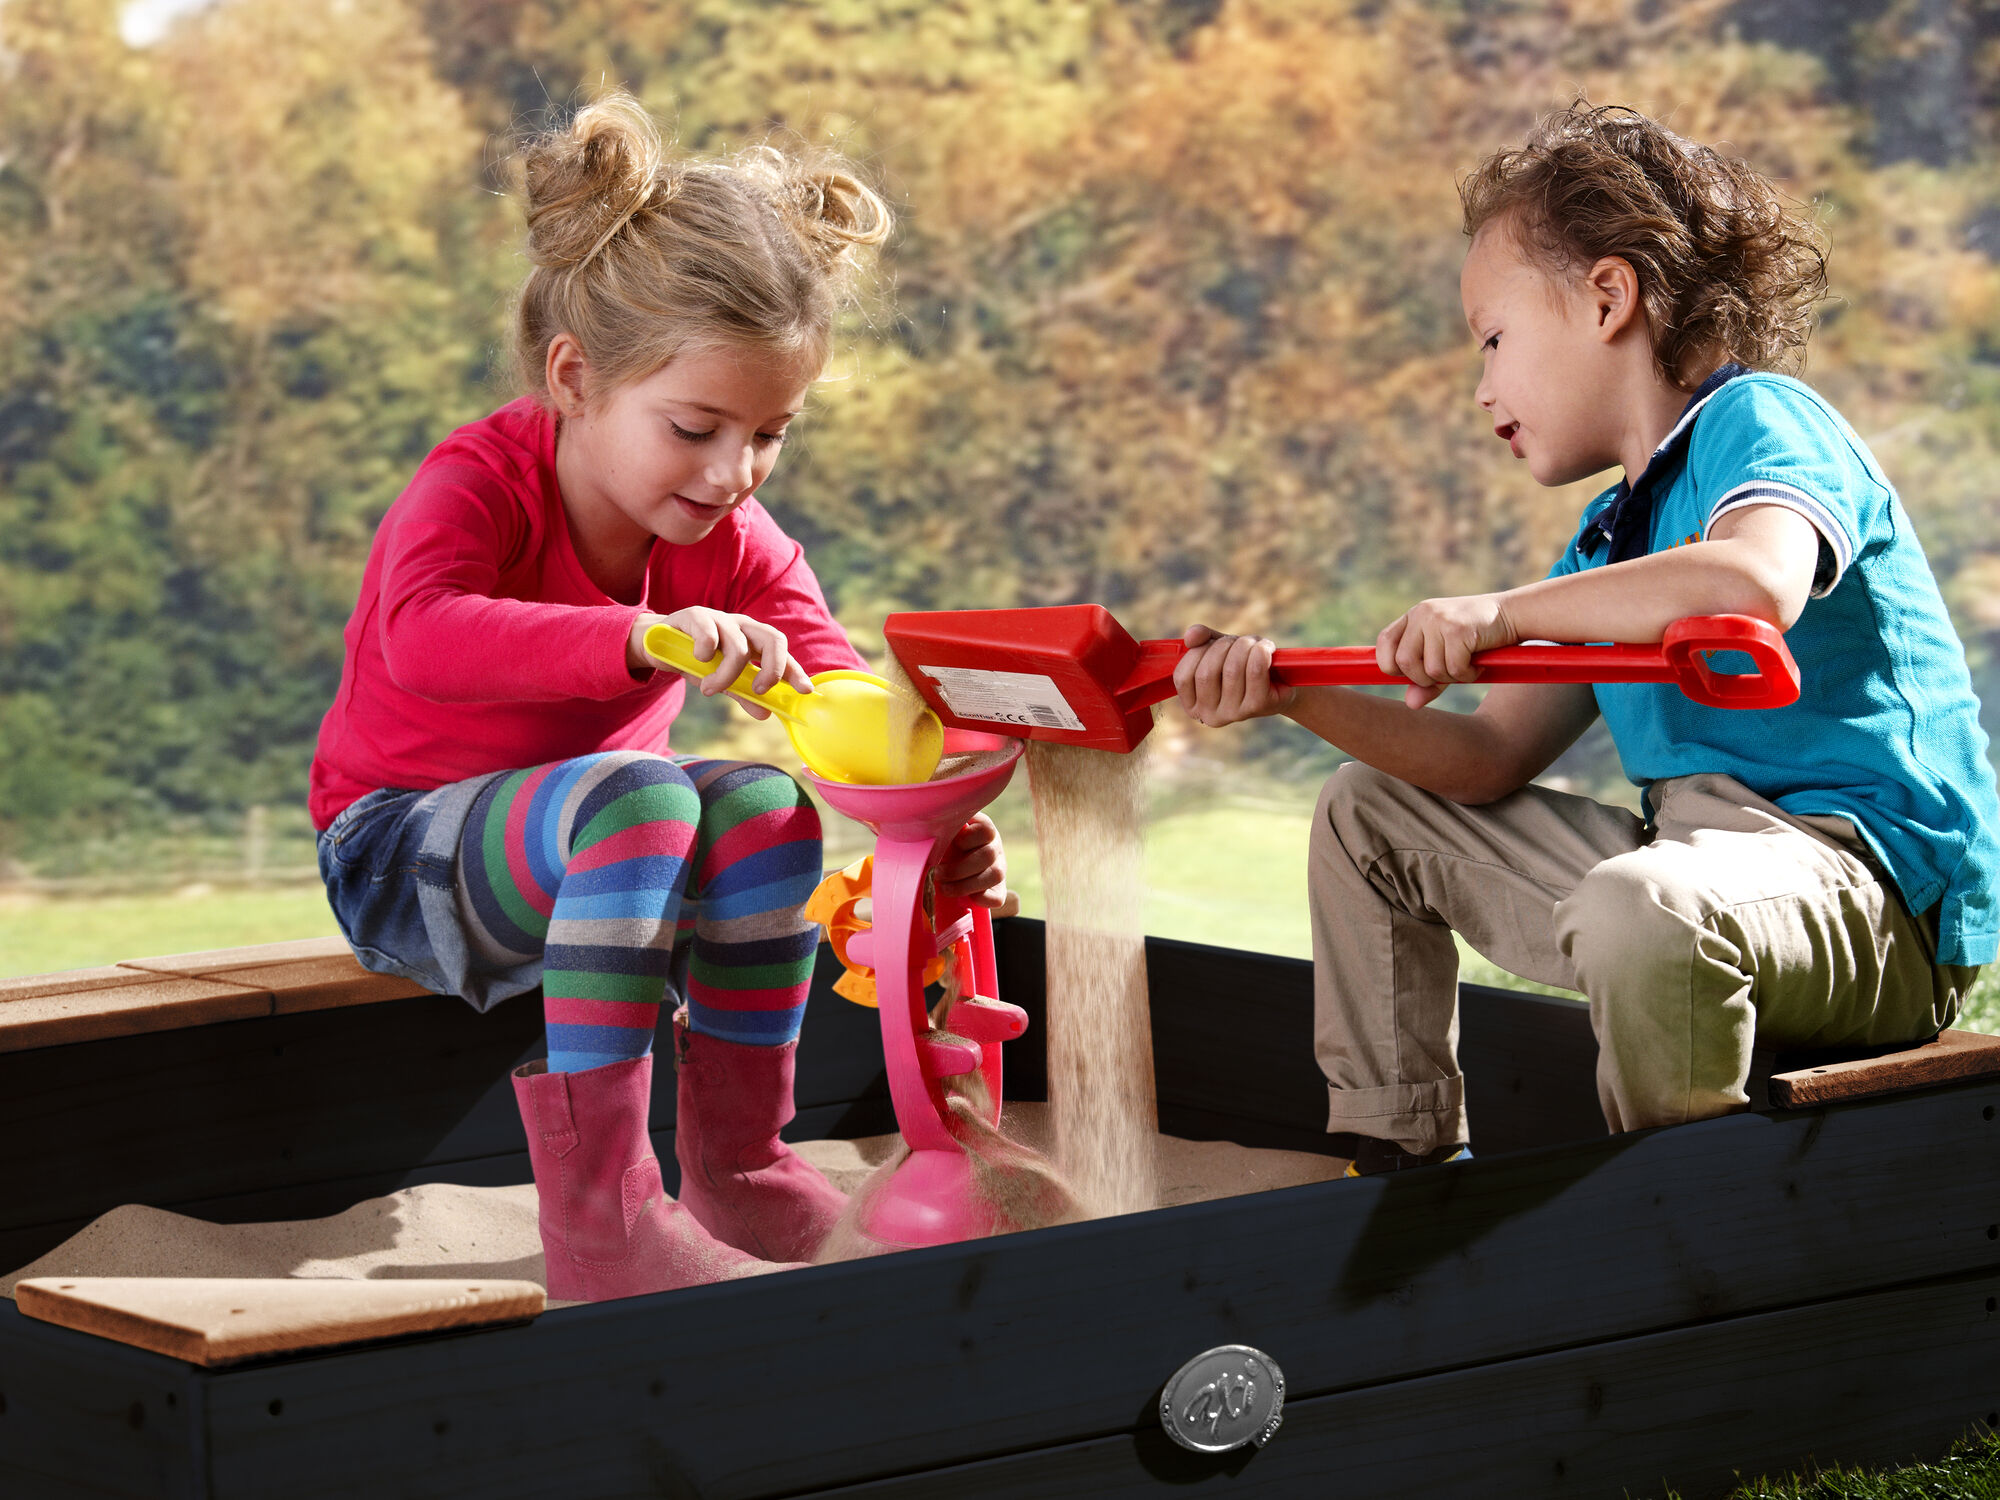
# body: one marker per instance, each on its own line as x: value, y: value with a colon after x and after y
x: 1023, y: 698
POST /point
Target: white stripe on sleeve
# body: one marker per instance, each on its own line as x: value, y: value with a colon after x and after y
x: 1836, y: 546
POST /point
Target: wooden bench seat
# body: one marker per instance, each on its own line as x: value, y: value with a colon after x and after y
x: 188, y: 989
x: 1951, y: 1056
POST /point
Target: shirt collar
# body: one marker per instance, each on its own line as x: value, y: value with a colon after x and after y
x: 1627, y: 520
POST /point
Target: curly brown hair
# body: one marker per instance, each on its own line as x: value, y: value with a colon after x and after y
x: 1728, y: 266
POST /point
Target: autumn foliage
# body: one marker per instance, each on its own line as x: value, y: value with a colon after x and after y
x: 1171, y: 322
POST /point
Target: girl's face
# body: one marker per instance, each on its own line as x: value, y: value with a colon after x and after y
x: 677, y: 451
x: 1548, y: 384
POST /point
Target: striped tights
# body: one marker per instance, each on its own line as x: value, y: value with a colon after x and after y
x: 629, y: 871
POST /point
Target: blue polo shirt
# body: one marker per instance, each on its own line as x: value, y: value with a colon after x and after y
x: 1886, y: 730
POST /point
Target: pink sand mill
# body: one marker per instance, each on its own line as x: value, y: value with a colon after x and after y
x: 931, y: 1198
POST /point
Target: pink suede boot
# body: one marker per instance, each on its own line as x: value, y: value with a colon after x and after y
x: 608, y: 1227
x: 747, y: 1187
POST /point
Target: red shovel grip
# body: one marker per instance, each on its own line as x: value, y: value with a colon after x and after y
x: 1687, y: 644
x: 1679, y: 658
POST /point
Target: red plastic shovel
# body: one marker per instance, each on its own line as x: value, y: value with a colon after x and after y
x: 1072, y: 674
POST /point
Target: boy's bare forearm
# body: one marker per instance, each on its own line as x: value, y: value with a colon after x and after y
x: 1636, y: 601
x: 1454, y: 755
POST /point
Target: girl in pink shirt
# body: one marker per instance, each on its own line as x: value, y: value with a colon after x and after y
x: 498, y: 803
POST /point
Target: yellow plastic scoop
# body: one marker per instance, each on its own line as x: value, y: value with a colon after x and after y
x: 853, y: 726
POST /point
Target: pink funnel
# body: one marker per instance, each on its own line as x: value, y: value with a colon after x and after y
x: 930, y: 1200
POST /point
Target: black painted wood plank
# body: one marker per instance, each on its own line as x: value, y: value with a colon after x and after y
x: 1887, y: 1377
x: 839, y: 1056
x: 850, y: 1372
x: 1233, y: 1039
x: 213, y: 1110
x: 1530, y: 1065
x: 1020, y: 952
x: 84, y: 1417
x: 364, y: 1092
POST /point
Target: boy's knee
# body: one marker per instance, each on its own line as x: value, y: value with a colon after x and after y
x: 1364, y: 812
x: 630, y: 789
x: 1624, y: 915
x: 1350, y: 797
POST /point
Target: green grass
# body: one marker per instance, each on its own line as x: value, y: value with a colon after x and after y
x: 1970, y: 1472
x: 39, y: 934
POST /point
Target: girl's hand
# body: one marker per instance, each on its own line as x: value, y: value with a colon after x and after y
x: 738, y: 639
x: 1225, y: 679
x: 1432, y: 645
x: 975, y: 869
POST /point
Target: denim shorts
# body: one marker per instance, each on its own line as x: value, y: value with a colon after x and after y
x: 390, y: 863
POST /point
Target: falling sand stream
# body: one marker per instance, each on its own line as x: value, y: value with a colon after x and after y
x: 1089, y: 825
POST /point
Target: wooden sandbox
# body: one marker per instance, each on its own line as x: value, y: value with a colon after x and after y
x: 1570, y: 1314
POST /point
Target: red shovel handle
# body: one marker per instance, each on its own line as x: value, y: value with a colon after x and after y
x: 1678, y: 658
x: 1688, y: 643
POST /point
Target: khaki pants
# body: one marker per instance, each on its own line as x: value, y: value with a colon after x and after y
x: 1730, y: 921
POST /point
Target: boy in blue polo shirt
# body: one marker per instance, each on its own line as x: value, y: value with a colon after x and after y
x: 1818, y: 875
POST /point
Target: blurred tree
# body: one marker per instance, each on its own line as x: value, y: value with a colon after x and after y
x: 244, y: 291
x: 89, y: 374
x: 1171, y: 321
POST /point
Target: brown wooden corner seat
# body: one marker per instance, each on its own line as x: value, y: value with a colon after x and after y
x: 188, y: 989
x: 1807, y: 1080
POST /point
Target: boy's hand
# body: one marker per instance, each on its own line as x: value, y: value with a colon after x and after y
x: 976, y: 868
x: 738, y: 639
x: 1225, y: 679
x: 1433, y: 644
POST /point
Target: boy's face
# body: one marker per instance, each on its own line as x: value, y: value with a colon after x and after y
x: 1547, y: 379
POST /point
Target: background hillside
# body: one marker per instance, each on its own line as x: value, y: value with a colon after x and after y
x: 1171, y: 323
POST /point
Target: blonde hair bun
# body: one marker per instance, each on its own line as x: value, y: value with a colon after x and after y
x: 585, y: 183
x: 638, y: 254
x: 832, y: 211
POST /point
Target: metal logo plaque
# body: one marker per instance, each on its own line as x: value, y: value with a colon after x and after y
x: 1220, y: 1400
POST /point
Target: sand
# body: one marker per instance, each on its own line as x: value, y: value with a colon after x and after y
x: 1090, y: 810
x: 442, y: 1230
x: 439, y: 1229
x: 1186, y: 1171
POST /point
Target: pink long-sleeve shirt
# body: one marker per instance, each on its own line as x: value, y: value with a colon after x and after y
x: 480, y: 644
